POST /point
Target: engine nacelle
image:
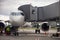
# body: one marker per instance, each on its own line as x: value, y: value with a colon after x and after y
x: 2, y: 24
x: 45, y: 27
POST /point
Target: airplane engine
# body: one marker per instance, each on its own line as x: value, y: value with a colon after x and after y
x: 45, y: 27
x: 2, y: 24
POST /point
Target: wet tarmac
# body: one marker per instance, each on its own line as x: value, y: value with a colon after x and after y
x: 28, y: 37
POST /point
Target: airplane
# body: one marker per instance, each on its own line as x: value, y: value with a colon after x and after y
x: 17, y: 20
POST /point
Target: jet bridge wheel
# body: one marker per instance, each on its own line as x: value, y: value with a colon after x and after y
x: 37, y: 31
x: 58, y: 29
x: 55, y: 35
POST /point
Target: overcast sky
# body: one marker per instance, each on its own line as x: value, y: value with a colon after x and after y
x: 7, y: 6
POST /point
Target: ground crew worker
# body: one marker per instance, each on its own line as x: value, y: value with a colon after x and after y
x: 37, y: 28
x: 8, y: 30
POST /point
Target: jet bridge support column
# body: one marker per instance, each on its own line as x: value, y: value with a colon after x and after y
x: 59, y: 13
x: 59, y: 17
x: 37, y: 30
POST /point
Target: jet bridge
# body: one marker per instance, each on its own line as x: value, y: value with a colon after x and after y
x: 49, y: 12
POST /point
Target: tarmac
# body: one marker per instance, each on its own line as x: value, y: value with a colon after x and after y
x: 31, y: 35
x: 28, y: 37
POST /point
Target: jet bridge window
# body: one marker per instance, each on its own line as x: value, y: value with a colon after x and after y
x: 33, y: 11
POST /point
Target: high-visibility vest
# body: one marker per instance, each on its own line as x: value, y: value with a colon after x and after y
x: 7, y: 29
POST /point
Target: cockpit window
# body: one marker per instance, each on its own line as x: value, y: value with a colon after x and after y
x: 22, y: 14
x: 12, y: 13
x: 17, y: 14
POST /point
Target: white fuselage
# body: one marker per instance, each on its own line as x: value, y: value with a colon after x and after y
x: 17, y: 19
